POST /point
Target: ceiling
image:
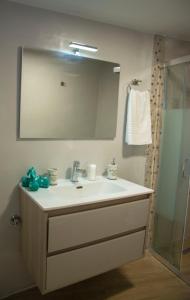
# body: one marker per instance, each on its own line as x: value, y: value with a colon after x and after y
x: 166, y: 17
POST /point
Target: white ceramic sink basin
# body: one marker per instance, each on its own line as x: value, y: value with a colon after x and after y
x: 92, y: 189
x: 67, y: 194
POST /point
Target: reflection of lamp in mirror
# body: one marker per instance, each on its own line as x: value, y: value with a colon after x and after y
x: 78, y: 47
x: 116, y: 69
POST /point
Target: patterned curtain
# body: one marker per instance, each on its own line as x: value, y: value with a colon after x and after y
x: 153, y: 150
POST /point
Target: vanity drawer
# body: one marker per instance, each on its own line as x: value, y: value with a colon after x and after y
x: 73, y: 266
x: 79, y: 228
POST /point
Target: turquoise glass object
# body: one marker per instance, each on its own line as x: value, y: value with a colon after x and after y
x: 43, y: 181
x: 25, y: 181
x: 32, y: 173
x: 34, y: 185
x: 33, y: 181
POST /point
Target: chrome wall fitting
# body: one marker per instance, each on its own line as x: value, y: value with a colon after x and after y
x: 15, y: 220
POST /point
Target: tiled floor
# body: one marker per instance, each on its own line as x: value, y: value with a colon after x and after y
x: 144, y: 279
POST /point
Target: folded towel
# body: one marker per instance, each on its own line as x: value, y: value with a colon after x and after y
x: 138, y: 127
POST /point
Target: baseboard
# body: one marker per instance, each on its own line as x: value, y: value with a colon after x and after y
x: 18, y: 291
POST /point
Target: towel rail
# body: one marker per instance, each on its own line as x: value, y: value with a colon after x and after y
x: 135, y: 82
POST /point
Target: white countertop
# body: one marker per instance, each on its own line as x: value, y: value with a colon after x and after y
x: 61, y: 195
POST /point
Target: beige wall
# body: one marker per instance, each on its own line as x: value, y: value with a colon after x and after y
x: 24, y: 26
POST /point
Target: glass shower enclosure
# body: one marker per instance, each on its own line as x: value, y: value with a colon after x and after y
x: 171, y: 238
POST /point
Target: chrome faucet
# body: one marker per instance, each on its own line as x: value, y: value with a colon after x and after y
x: 75, y: 171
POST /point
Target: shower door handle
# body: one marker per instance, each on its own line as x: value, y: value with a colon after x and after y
x: 186, y: 167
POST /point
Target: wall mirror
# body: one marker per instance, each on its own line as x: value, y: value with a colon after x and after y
x: 65, y: 96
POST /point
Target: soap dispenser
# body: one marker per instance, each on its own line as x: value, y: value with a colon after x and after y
x: 112, y: 170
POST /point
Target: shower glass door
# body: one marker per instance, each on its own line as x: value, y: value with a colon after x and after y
x: 173, y: 180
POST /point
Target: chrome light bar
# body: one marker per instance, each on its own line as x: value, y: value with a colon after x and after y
x: 83, y: 47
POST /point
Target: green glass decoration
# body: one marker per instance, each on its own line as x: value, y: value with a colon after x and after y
x: 32, y: 173
x: 33, y: 182
x: 33, y: 185
x: 25, y: 181
x: 43, y: 181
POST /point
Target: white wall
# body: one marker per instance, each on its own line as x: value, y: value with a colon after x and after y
x: 24, y: 26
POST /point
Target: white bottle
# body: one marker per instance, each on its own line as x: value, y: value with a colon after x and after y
x: 91, y: 172
x: 112, y: 170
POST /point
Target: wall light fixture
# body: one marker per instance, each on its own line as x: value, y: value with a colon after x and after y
x: 83, y: 47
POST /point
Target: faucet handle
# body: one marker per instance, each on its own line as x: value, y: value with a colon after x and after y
x: 76, y: 164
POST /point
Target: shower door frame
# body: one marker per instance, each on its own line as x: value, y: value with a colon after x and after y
x: 173, y: 62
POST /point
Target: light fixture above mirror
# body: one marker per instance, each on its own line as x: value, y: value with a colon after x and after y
x: 78, y: 46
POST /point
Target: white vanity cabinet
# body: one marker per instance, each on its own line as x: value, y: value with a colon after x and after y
x: 64, y: 246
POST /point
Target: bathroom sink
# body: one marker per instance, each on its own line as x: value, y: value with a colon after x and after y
x: 80, y: 190
x: 68, y: 194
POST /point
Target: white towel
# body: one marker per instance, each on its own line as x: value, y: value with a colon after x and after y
x: 138, y: 128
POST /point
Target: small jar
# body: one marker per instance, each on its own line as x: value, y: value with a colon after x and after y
x: 53, y: 176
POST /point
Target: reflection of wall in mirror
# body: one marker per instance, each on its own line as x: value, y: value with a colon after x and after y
x: 107, y: 102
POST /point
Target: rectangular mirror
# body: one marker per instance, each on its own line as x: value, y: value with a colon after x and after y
x: 65, y: 96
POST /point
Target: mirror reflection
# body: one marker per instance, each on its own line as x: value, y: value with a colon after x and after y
x: 64, y: 96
